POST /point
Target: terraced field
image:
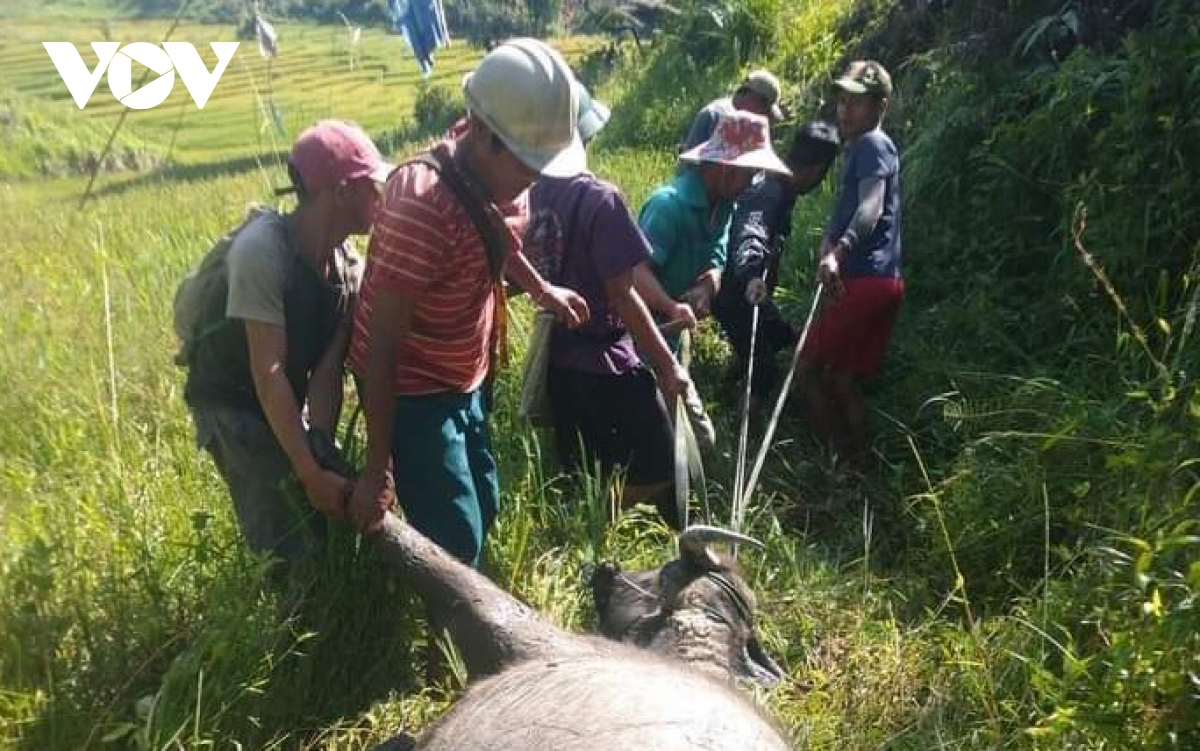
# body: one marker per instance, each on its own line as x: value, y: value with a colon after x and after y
x: 258, y: 103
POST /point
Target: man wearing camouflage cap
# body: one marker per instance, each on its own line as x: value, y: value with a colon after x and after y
x: 860, y: 268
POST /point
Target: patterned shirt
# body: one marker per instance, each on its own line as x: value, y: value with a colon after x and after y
x: 425, y: 247
x: 761, y: 222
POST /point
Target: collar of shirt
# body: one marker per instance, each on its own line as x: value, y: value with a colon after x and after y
x: 690, y: 188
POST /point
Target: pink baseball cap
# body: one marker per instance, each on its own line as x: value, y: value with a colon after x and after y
x: 333, y: 152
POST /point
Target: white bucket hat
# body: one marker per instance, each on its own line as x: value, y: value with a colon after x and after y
x: 524, y: 91
x: 741, y: 139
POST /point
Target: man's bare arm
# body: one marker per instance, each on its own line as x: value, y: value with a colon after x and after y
x: 268, y: 354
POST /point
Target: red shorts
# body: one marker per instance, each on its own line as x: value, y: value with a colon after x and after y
x: 852, y: 334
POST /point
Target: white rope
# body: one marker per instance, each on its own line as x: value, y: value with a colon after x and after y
x: 778, y: 410
x: 739, y: 474
x: 683, y: 427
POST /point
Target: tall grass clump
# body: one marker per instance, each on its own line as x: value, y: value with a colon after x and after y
x: 1020, y: 571
x: 45, y: 141
x: 1065, y: 441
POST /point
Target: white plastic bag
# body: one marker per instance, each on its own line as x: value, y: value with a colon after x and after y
x: 535, y: 394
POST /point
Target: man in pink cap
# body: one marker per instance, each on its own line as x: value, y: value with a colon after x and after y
x: 265, y: 325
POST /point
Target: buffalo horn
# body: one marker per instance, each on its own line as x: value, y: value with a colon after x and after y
x: 696, y: 539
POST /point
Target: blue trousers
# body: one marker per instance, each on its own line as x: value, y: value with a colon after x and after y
x: 445, y: 471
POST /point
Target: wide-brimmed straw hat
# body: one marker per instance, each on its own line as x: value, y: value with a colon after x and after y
x: 740, y: 139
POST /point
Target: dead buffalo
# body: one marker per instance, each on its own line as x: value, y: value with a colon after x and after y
x: 536, y: 687
x: 697, y: 608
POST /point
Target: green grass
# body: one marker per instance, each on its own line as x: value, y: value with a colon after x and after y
x: 44, y: 140
x: 1019, y: 573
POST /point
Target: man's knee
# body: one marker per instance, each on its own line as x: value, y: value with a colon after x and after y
x: 842, y: 385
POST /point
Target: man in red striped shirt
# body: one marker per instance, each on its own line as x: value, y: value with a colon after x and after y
x: 426, y: 325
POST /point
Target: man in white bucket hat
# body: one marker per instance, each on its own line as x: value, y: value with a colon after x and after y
x: 430, y: 318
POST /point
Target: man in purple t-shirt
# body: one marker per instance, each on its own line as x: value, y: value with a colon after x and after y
x: 607, y: 405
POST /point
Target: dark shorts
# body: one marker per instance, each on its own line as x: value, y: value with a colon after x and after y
x: 621, y: 421
x: 852, y: 334
x: 444, y: 469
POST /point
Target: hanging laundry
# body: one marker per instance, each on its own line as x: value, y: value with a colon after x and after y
x: 423, y: 24
x: 353, y: 37
x: 268, y: 43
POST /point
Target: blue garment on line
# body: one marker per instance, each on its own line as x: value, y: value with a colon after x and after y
x: 423, y: 24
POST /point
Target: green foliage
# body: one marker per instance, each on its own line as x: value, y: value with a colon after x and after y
x: 486, y: 23
x: 640, y: 19
x: 1020, y: 572
x: 435, y: 108
x: 705, y: 50
x: 1124, y: 664
x: 720, y: 31
x: 1054, y: 236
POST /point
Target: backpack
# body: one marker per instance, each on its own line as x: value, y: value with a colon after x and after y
x: 198, y: 309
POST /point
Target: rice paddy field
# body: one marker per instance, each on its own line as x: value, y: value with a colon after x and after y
x: 1019, y: 572
x: 255, y: 108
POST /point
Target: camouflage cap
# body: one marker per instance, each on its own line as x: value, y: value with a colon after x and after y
x: 765, y: 85
x: 865, y: 77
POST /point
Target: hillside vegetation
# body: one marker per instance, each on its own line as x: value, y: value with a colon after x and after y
x: 1021, y: 571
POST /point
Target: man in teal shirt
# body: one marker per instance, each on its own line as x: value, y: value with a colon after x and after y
x: 687, y: 219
